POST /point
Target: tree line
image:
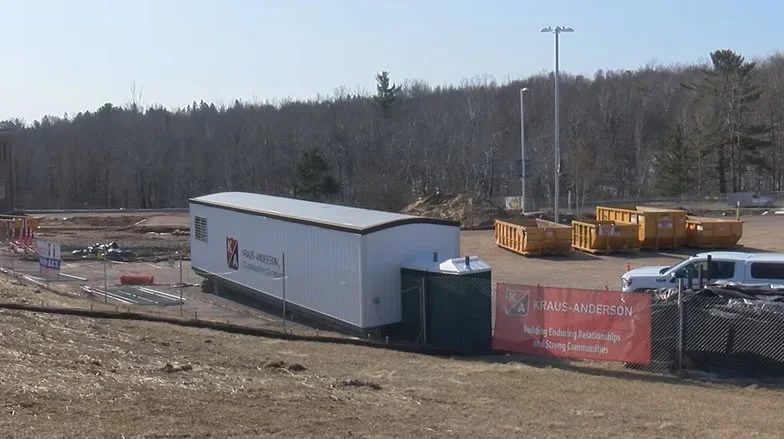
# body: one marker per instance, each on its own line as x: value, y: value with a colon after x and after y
x: 698, y: 130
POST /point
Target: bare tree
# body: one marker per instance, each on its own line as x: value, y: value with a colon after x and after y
x: 425, y: 139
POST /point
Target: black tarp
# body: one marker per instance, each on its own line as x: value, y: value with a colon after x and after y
x: 728, y: 328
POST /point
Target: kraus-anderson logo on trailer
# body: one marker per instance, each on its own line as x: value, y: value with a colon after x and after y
x: 232, y: 253
x: 266, y: 265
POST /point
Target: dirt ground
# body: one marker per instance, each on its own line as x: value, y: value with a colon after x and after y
x: 90, y: 378
x: 66, y: 377
x: 760, y: 233
x: 150, y: 235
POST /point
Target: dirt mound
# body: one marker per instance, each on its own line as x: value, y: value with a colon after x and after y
x: 563, y: 217
x: 470, y: 211
x: 163, y: 224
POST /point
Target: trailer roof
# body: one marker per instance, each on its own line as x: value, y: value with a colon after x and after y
x: 331, y: 216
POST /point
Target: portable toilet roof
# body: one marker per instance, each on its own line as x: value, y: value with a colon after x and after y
x: 457, y: 266
x: 468, y: 264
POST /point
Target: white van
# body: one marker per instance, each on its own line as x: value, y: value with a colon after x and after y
x: 741, y: 267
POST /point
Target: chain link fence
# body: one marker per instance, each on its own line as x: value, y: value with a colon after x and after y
x: 725, y: 329
x: 722, y: 328
x: 445, y: 313
x: 734, y: 329
x: 721, y: 202
x: 448, y: 311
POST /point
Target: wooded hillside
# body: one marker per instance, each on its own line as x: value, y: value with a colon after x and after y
x: 656, y: 131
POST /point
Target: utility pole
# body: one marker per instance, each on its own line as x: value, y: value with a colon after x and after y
x: 557, y: 31
x: 522, y: 150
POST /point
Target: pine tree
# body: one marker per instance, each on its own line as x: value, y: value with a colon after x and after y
x: 738, y: 143
x: 674, y: 164
x: 314, y: 181
x: 386, y: 92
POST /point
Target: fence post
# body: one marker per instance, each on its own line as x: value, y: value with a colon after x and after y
x: 680, y: 324
x: 423, y: 306
x: 283, y: 287
x: 180, y: 285
x: 105, y: 279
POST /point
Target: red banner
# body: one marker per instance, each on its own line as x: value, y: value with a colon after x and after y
x: 573, y: 323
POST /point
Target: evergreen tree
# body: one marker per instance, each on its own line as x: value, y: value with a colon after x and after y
x: 737, y: 141
x: 674, y: 164
x: 386, y: 92
x: 314, y: 181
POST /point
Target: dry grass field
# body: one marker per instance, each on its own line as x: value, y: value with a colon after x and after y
x: 73, y: 377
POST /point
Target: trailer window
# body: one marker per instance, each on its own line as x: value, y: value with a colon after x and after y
x: 767, y: 270
x: 200, y: 226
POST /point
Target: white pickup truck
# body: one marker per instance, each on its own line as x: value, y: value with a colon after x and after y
x: 742, y: 267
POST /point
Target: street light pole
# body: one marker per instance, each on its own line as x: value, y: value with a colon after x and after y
x: 522, y: 150
x: 557, y: 31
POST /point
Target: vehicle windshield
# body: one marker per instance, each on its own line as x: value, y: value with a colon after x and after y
x: 677, y: 266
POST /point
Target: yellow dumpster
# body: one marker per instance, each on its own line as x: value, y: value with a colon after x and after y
x: 658, y: 228
x: 530, y: 237
x: 713, y: 233
x: 604, y: 236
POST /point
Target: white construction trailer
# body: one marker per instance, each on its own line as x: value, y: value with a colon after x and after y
x: 338, y: 263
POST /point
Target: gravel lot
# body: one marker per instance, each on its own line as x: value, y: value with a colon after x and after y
x: 761, y: 233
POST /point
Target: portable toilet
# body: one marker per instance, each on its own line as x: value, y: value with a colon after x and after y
x: 447, y: 304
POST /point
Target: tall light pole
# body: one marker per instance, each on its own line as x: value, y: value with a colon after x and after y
x: 522, y: 149
x: 557, y: 31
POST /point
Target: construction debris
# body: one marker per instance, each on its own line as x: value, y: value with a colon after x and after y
x: 726, y: 323
x: 112, y: 251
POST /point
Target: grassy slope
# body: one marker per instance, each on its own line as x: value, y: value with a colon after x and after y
x: 77, y: 377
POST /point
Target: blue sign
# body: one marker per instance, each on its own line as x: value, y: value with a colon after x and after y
x: 49, y: 263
